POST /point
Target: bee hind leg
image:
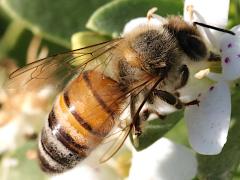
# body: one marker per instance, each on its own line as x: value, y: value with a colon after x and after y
x: 142, y: 116
x: 137, y: 130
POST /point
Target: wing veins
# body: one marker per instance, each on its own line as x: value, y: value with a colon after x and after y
x: 62, y: 55
x: 126, y: 130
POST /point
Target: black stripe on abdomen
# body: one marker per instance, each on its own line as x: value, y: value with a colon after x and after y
x: 96, y: 95
x: 74, y: 112
x: 65, y: 138
x: 57, y: 151
x: 81, y: 121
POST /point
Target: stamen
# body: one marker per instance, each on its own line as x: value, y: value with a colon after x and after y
x: 151, y: 12
x: 201, y: 74
x: 190, y: 11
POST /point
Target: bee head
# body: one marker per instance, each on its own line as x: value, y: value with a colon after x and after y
x: 188, y: 37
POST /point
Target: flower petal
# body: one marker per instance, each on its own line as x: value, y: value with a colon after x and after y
x: 141, y: 21
x: 193, y: 88
x: 163, y: 161
x: 236, y: 29
x: 8, y: 135
x: 197, y: 81
x: 88, y: 173
x: 205, y: 11
x: 208, y: 123
x: 230, y: 48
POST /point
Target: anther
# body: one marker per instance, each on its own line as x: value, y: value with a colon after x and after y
x: 151, y: 12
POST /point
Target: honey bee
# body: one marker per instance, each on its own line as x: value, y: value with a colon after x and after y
x: 95, y: 84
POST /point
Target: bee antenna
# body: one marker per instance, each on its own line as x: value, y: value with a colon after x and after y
x: 213, y: 27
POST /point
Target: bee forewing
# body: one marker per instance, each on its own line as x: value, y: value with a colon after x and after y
x: 38, y: 75
x: 56, y: 71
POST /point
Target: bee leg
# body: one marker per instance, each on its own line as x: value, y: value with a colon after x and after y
x: 191, y: 103
x: 137, y: 123
x: 135, y: 112
x: 184, y: 75
x: 168, y: 98
x: 160, y: 116
x: 173, y: 100
x: 147, y: 112
x: 145, y: 115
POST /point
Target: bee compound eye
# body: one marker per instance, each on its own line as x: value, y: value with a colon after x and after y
x: 192, y: 45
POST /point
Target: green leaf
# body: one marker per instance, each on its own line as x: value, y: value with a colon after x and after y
x: 222, y: 166
x: 179, y: 133
x: 55, y: 20
x: 234, y: 13
x: 155, y: 129
x: 87, y: 38
x: 111, y: 18
x: 17, y: 165
x: 18, y: 52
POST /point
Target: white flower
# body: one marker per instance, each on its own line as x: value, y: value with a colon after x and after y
x: 214, y: 111
x: 87, y: 173
x: 91, y: 168
x: 163, y: 160
x: 209, y: 122
x: 230, y: 50
x: 8, y: 135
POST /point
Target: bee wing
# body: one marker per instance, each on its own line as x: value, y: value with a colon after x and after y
x: 129, y: 126
x: 121, y: 136
x: 55, y: 71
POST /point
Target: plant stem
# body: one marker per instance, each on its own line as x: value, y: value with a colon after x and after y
x: 10, y: 37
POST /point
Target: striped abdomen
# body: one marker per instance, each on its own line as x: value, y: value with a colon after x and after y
x: 81, y: 117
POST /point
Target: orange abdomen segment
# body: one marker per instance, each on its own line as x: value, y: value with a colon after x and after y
x: 92, y: 99
x: 82, y: 116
